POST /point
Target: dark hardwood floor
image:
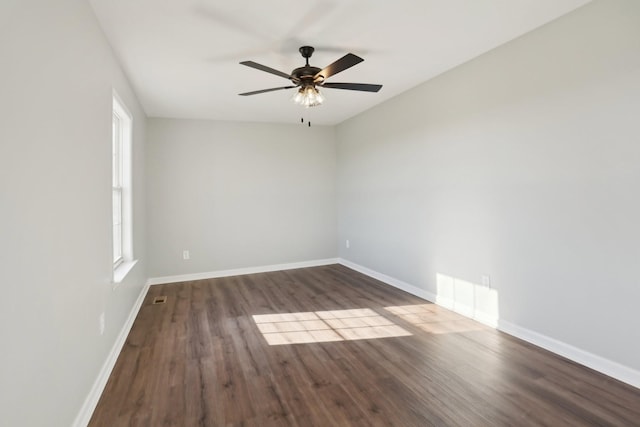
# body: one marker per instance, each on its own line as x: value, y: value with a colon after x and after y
x: 327, y: 346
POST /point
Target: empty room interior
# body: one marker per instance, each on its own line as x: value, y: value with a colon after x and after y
x: 323, y: 213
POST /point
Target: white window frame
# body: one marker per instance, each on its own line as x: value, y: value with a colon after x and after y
x: 121, y: 194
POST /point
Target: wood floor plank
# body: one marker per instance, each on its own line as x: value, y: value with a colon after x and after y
x: 327, y: 346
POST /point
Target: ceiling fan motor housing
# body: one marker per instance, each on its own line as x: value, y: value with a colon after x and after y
x: 306, y: 75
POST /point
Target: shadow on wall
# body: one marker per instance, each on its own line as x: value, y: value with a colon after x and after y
x: 479, y: 302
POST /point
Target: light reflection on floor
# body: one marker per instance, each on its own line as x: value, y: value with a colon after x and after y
x: 434, y: 319
x: 326, y: 326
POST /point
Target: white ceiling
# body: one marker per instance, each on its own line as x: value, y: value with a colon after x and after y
x: 182, y: 55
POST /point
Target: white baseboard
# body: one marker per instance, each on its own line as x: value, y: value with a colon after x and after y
x: 422, y: 293
x: 467, y: 311
x: 396, y: 283
x: 595, y: 362
x: 90, y: 403
x: 590, y: 360
x: 239, y: 271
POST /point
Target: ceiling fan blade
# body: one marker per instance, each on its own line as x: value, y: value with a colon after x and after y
x: 353, y: 86
x: 347, y: 61
x: 265, y: 68
x: 255, y: 92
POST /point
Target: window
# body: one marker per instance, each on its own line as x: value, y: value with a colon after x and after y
x: 121, y: 190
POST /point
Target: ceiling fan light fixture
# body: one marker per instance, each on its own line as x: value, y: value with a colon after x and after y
x: 308, y: 96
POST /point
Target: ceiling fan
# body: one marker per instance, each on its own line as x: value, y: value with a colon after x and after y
x: 308, y: 78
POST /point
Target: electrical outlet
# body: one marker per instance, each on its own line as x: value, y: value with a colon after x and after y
x: 101, y: 321
x: 347, y: 244
x: 486, y: 280
x: 185, y: 254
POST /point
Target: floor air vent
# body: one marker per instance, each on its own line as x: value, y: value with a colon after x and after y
x: 160, y: 300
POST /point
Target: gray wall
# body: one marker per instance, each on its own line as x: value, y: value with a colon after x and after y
x: 523, y: 165
x: 56, y: 81
x: 239, y: 195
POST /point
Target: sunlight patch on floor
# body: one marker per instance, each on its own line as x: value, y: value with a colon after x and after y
x: 326, y: 326
x: 435, y: 320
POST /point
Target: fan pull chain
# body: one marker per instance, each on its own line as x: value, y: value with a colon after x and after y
x: 302, y: 121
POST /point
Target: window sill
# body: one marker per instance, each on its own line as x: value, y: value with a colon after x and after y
x: 121, y: 271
